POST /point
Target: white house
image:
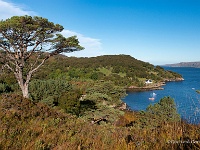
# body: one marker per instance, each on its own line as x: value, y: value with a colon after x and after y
x: 148, y: 81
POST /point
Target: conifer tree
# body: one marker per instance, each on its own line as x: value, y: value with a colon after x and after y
x: 27, y: 42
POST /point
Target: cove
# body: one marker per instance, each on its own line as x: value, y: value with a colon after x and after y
x: 183, y: 92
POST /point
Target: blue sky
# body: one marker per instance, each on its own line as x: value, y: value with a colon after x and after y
x: 155, y: 31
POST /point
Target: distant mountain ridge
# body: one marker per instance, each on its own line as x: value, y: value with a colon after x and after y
x: 185, y: 64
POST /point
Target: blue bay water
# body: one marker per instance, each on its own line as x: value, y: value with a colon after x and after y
x: 183, y: 92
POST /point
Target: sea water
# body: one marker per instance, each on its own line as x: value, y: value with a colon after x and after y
x: 183, y: 92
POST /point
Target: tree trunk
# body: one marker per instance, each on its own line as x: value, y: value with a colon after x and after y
x: 24, y: 89
x: 23, y: 84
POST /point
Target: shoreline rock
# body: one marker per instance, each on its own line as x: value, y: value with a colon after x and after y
x: 156, y: 86
x: 174, y: 80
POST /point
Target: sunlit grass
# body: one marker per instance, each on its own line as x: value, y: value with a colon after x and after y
x: 105, y: 71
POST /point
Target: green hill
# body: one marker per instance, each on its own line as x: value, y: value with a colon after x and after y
x: 124, y: 70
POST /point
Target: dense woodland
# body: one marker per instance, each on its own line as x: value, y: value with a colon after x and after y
x: 124, y: 68
x: 75, y: 103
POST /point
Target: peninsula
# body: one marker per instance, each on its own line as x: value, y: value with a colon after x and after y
x: 185, y: 64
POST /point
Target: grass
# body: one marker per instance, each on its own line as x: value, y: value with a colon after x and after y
x: 108, y: 72
x: 121, y: 74
x: 105, y: 71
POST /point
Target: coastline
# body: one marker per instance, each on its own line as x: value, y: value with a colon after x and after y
x: 153, y: 86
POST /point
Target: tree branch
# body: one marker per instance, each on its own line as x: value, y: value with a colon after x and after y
x: 12, y: 44
x: 40, y: 64
x: 10, y: 68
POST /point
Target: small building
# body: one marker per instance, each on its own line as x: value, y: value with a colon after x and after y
x: 148, y: 81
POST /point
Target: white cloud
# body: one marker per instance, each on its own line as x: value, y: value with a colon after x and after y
x: 87, y: 42
x: 8, y: 9
x: 92, y: 46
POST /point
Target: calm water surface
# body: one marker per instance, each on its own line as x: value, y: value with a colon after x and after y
x: 183, y: 92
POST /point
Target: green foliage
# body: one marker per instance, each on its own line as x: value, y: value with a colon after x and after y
x: 105, y: 91
x: 7, y: 78
x: 123, y: 70
x: 94, y: 76
x: 5, y: 88
x: 61, y: 93
x: 48, y: 91
x: 69, y: 101
x: 87, y: 106
x: 74, y: 73
x: 98, y: 97
x: 164, y: 110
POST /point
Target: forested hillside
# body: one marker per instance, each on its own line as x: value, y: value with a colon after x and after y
x: 124, y: 70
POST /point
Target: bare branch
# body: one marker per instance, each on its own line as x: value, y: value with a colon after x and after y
x: 11, y: 69
x: 33, y: 50
x: 35, y: 69
x: 12, y: 44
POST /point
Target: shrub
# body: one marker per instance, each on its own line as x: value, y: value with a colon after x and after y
x: 164, y: 110
x: 69, y: 101
x: 5, y: 88
x: 48, y: 91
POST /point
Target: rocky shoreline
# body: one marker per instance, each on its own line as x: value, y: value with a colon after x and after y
x: 153, y: 86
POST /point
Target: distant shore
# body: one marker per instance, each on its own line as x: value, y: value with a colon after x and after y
x: 152, y: 86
